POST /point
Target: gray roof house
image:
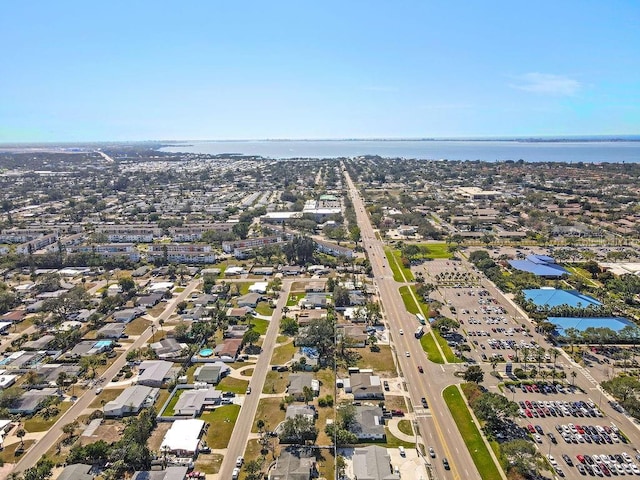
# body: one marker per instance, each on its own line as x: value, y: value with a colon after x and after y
x: 294, y: 464
x: 148, y: 301
x: 40, y: 344
x: 314, y: 300
x: 111, y: 330
x: 373, y: 463
x: 131, y: 401
x: 153, y: 373
x: 211, y: 373
x: 170, y: 473
x: 192, y: 402
x: 369, y: 424
x: 31, y: 401
x: 249, y: 300
x: 364, y: 386
x: 127, y: 315
x: 168, y: 347
x: 297, y: 382
x: 77, y: 471
x: 304, y: 410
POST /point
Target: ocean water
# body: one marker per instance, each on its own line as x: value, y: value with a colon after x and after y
x: 485, y: 150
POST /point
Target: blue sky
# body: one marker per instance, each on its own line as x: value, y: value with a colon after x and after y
x: 138, y: 70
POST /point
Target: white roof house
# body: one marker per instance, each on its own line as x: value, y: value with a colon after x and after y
x: 154, y: 372
x: 183, y: 437
x: 259, y: 287
x: 131, y: 400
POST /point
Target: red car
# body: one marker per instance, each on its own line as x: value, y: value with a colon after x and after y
x: 420, y: 369
x: 580, y: 458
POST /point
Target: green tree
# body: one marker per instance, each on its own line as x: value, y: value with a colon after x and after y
x: 289, y: 326
x: 251, y: 336
x: 473, y: 374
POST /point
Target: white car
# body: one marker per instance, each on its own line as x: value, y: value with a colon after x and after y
x: 401, y: 332
x: 239, y: 462
x: 552, y: 460
x: 235, y: 474
x: 407, y: 354
x: 401, y: 450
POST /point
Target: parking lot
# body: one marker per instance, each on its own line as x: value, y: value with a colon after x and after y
x: 570, y: 430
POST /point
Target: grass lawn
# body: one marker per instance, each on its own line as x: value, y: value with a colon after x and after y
x: 405, y: 427
x: 162, y: 397
x: 38, y: 424
x: 470, y: 434
x: 247, y: 373
x: 283, y: 354
x: 230, y: 384
x: 22, y: 326
x: 269, y: 412
x: 209, y: 464
x: 137, y: 326
x: 393, y: 442
x: 437, y: 250
x: 276, y: 382
x: 586, y: 276
x: 259, y: 325
x: 326, y: 463
x: 381, y: 362
x: 221, y: 423
x: 400, y: 273
x: 253, y: 450
x: 321, y: 422
x: 446, y: 349
x: 263, y: 308
x: 8, y: 454
x: 395, y: 402
x: 407, y: 299
x: 327, y: 382
x: 107, y: 395
x: 157, y: 310
x: 168, y: 412
x: 429, y: 346
x: 292, y: 301
x: 178, y: 290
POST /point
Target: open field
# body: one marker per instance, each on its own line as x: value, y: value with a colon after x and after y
x: 221, y: 421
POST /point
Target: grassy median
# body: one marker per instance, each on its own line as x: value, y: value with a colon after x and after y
x: 470, y: 434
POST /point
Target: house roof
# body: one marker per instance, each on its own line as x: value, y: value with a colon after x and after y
x: 368, y: 422
x: 293, y: 464
x: 304, y: 410
x: 170, y: 473
x: 372, y: 463
x: 77, y: 471
x: 210, y: 373
x: 132, y: 398
x: 154, y: 370
x: 183, y: 435
x: 297, y: 382
x: 229, y: 347
x: 191, y: 402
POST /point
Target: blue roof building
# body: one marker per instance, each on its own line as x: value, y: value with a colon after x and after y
x: 581, y: 324
x: 551, y: 297
x: 539, y: 265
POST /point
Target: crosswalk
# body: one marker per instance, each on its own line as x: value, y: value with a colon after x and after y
x: 421, y: 412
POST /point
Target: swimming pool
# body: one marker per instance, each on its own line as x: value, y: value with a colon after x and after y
x: 206, y: 352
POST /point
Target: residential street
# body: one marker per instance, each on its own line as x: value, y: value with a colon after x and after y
x: 51, y: 437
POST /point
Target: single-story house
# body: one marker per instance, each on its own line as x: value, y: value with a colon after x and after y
x: 193, y: 402
x: 356, y: 333
x: 204, y: 300
x: 131, y: 401
x: 314, y: 287
x: 357, y: 298
x: 373, y: 463
x: 306, y: 316
x: 77, y: 471
x: 196, y: 313
x: 235, y: 331
x: 183, y: 438
x: 229, y: 349
x: 32, y: 400
x: 294, y: 464
x: 6, y: 380
x: 304, y: 410
x: 127, y: 315
x: 369, y: 424
x: 168, y: 347
x: 89, y: 347
x: 14, y: 316
x: 363, y: 386
x: 40, y: 344
x: 153, y: 373
x: 149, y: 301
x: 249, y: 300
x: 314, y: 300
x: 172, y: 472
x: 259, y: 287
x: 297, y: 383
x: 237, y: 313
x: 211, y: 373
x: 292, y: 270
x: 262, y: 271
x: 111, y: 330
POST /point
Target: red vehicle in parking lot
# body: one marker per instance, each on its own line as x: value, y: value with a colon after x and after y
x: 580, y: 458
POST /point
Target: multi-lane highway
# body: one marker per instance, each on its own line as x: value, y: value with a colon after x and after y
x: 436, y: 425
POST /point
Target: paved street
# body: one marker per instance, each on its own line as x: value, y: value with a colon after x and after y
x: 436, y: 425
x: 51, y: 437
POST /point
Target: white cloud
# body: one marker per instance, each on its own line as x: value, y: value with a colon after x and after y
x: 546, y: 83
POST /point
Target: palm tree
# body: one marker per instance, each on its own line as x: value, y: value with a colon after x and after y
x: 573, y: 377
x: 20, y: 433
